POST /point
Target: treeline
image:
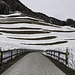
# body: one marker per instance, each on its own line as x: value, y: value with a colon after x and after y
x: 70, y: 22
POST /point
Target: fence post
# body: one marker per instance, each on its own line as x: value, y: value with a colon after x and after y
x: 22, y: 51
x: 51, y: 53
x: 58, y: 55
x: 54, y: 53
x: 0, y: 56
x: 17, y: 52
x: 67, y: 55
x: 11, y: 54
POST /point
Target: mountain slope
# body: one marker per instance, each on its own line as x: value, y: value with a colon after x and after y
x: 16, y: 5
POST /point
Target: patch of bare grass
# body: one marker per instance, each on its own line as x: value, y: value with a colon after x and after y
x: 54, y: 43
x: 19, y: 28
x: 24, y: 32
x: 41, y: 38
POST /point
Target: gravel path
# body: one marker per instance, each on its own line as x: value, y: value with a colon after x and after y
x: 33, y: 64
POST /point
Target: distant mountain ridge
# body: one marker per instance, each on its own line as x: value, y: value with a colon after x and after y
x: 10, y: 6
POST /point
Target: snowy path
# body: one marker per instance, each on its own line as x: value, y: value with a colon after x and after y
x: 33, y: 64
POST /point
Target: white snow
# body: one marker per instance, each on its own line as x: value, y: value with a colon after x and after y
x: 10, y: 15
x: 29, y: 18
x: 9, y: 43
x: 61, y: 36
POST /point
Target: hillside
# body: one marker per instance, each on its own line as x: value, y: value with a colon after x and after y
x: 34, y: 30
x: 16, y: 5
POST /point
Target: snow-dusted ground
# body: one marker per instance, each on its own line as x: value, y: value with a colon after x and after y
x: 13, y: 36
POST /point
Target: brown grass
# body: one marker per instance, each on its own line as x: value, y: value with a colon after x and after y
x: 19, y: 28
x: 54, y: 43
x: 24, y: 32
x: 41, y: 38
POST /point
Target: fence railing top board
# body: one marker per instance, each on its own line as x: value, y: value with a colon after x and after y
x: 56, y: 51
x: 27, y: 50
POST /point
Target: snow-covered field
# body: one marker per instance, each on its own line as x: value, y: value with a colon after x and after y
x: 37, y: 36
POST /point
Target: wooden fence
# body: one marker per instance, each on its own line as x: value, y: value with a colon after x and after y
x: 57, y: 55
x: 11, y: 54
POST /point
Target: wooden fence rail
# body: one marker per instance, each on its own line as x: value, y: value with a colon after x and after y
x: 11, y: 54
x: 57, y: 54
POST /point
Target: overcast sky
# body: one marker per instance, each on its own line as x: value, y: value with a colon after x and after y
x: 61, y: 9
